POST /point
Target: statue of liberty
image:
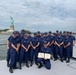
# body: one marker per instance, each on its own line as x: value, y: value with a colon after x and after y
x: 12, y: 20
x: 12, y: 24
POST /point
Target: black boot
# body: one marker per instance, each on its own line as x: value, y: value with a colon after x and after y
x: 52, y: 58
x: 15, y: 68
x: 27, y: 65
x: 55, y: 59
x: 40, y: 65
x: 68, y: 60
x: 36, y: 63
x: 64, y: 58
x: 31, y: 64
x: 10, y: 70
x: 61, y: 60
x: 20, y: 67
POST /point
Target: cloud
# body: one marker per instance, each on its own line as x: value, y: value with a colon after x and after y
x: 39, y: 14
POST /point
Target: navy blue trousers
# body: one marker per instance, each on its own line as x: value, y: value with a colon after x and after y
x: 34, y: 54
x: 12, y: 60
x: 8, y: 56
x: 24, y: 55
x: 46, y: 63
x: 68, y: 52
x: 58, y: 51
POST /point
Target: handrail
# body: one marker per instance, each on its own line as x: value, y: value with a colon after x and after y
x: 2, y: 44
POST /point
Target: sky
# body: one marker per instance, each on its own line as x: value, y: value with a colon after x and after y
x: 39, y: 15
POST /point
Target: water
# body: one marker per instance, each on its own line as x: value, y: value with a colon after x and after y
x: 3, y: 50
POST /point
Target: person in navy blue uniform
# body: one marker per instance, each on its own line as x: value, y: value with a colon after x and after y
x: 54, y: 46
x: 67, y: 46
x: 8, y: 50
x: 59, y: 47
x: 18, y: 46
x: 64, y: 51
x: 13, y: 50
x: 46, y: 38
x: 39, y: 37
x: 51, y: 41
x: 30, y: 38
x: 56, y: 34
x: 18, y: 41
x: 21, y: 35
x: 42, y: 40
x: 38, y: 34
x: 46, y: 62
x: 35, y: 48
x: 24, y: 51
x: 72, y: 39
x: 21, y: 38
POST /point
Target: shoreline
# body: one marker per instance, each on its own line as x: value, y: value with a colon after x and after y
x: 5, y: 33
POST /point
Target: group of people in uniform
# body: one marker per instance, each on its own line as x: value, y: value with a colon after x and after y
x: 24, y: 48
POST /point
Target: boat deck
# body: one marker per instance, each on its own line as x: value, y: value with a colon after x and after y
x: 57, y: 68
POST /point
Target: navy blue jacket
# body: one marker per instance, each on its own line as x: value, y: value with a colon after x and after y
x: 66, y: 41
x: 14, y: 42
x: 25, y: 42
x: 35, y: 41
x: 46, y: 50
x: 72, y: 38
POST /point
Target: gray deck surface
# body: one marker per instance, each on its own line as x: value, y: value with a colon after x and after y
x: 57, y: 68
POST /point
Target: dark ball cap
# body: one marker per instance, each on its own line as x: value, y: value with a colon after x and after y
x: 38, y: 32
x: 22, y: 32
x: 14, y: 32
x: 67, y: 35
x: 70, y: 32
x: 45, y: 42
x: 25, y: 35
x: 29, y: 32
x: 42, y: 34
x: 35, y: 33
x: 50, y: 32
x: 60, y: 32
x: 54, y: 33
x: 57, y: 31
x: 45, y: 33
x: 17, y: 32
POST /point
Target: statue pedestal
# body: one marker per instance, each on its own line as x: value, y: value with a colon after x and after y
x: 11, y: 29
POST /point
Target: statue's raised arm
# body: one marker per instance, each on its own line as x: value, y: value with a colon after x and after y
x: 12, y: 20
